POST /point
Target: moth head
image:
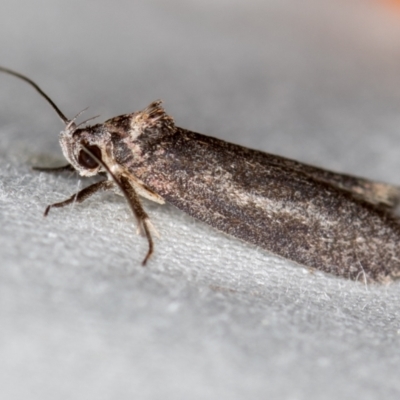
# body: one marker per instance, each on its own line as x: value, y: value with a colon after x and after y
x: 84, y: 148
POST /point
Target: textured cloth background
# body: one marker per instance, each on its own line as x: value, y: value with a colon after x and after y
x: 210, y: 317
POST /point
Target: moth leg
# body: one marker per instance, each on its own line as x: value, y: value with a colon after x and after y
x: 82, y: 195
x: 146, y: 192
x: 67, y: 167
x: 141, y: 215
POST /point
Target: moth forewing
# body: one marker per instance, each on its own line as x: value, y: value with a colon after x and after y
x: 274, y: 203
x: 333, y: 222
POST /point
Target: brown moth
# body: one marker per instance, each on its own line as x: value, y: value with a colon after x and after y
x: 332, y: 222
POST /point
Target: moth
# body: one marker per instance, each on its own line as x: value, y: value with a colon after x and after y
x: 336, y: 223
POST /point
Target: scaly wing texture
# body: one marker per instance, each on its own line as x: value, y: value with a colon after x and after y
x: 273, y: 203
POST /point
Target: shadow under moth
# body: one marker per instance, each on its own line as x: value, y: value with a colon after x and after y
x: 332, y: 222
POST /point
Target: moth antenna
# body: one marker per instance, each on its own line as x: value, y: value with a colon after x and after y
x: 43, y: 94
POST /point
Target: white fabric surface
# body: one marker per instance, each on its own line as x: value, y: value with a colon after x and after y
x: 210, y: 317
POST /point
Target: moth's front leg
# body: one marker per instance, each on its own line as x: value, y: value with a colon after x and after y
x: 133, y: 199
x: 141, y: 215
x: 82, y: 195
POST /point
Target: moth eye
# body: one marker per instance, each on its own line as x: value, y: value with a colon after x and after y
x: 86, y: 161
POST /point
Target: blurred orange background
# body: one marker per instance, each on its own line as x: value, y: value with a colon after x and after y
x: 395, y: 4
